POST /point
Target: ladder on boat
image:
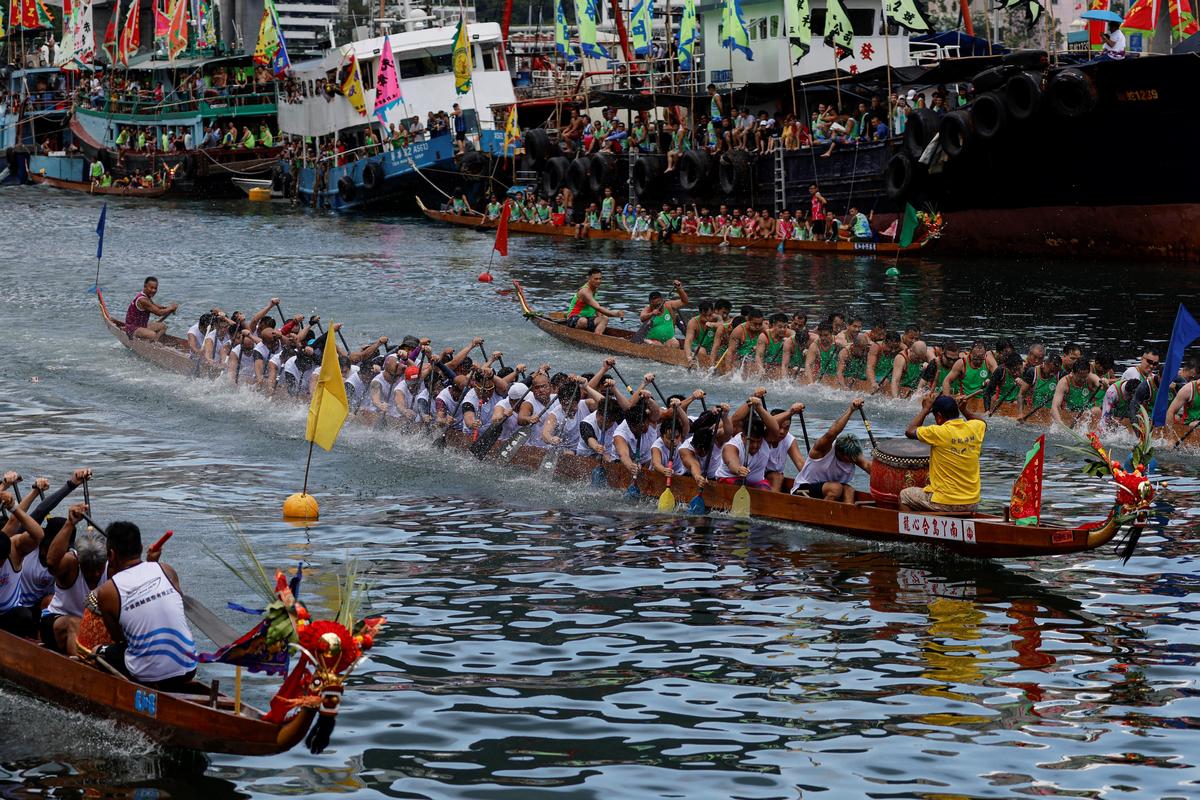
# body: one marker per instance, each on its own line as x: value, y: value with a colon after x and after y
x: 780, y: 182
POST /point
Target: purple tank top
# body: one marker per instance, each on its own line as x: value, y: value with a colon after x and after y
x: 134, y: 317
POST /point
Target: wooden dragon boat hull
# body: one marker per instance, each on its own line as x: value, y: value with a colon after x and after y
x: 85, y: 187
x: 979, y: 535
x: 196, y: 722
x: 880, y: 249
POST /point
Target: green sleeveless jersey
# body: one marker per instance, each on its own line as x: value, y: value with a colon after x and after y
x: 662, y: 328
x: 827, y: 360
x: 1043, y: 390
x: 974, y: 378
x: 1078, y: 398
x: 774, y: 352
x: 942, y: 372
x: 856, y: 368
x: 705, y: 339
x: 883, y: 368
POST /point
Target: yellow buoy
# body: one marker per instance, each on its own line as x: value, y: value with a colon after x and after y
x: 259, y: 194
x: 300, y: 506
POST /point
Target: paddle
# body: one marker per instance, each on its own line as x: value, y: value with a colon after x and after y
x: 633, y: 492
x: 523, y: 432
x: 639, y: 336
x: 621, y: 378
x: 666, y: 500
x: 866, y: 425
x: 660, y: 394
x: 1036, y: 409
x: 483, y: 445
x: 550, y: 462
x: 1191, y: 429
x: 599, y: 476
x: 440, y: 442
x: 696, y: 506
x: 804, y: 430
x: 741, y: 501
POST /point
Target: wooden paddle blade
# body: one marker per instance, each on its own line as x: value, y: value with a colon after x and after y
x: 666, y: 500
x: 513, y: 445
x: 550, y: 462
x: 741, y: 503
x: 483, y: 445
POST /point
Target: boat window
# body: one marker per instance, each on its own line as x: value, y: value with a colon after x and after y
x: 426, y: 65
x: 366, y: 71
x: 862, y: 20
x: 489, y: 58
x: 774, y: 26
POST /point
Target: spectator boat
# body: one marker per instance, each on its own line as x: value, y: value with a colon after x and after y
x: 71, y: 173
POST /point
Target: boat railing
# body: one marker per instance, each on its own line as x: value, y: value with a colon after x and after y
x: 121, y: 104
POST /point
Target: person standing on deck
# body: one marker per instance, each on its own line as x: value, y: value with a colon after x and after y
x: 585, y: 311
x: 137, y: 316
x: 955, y: 443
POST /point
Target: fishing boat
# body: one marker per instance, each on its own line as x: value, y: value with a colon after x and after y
x: 975, y: 534
x: 204, y: 719
x: 619, y: 341
x: 841, y: 247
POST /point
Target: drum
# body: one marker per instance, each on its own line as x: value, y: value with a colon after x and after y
x: 897, y: 465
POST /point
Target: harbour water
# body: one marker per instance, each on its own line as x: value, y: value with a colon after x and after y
x: 546, y: 639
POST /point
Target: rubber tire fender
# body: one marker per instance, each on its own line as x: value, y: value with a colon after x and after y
x: 646, y: 171
x: 346, y: 189
x: 601, y: 173
x: 554, y: 175
x: 579, y: 176
x: 1023, y: 95
x: 990, y: 115
x: 734, y: 171
x: 956, y: 132
x: 899, y: 176
x: 473, y: 163
x: 922, y: 125
x: 372, y: 177
x: 537, y: 143
x: 1072, y: 93
x: 695, y: 168
x: 992, y: 79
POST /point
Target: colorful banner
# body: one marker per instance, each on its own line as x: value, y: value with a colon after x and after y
x: 905, y: 14
x: 387, y: 83
x: 1025, y: 507
x: 177, y: 30
x: 562, y: 39
x: 734, y: 35
x: 1097, y: 28
x: 110, y: 37
x: 586, y: 17
x: 329, y: 407
x: 640, y: 27
x: 162, y: 23
x: 79, y: 42
x: 29, y: 14
x: 271, y: 48
x: 799, y: 28
x: 512, y: 131
x: 352, y: 89
x: 1144, y: 15
x: 131, y: 34
x: 462, y: 58
x: 689, y: 31
x: 839, y: 34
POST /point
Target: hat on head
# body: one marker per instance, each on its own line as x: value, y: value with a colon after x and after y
x: 945, y: 406
x: 412, y: 371
x: 517, y: 391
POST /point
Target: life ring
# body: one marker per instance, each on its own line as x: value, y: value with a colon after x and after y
x: 346, y: 189
x: 695, y: 168
x: 646, y: 170
x: 899, y: 176
x: 537, y: 143
x: 554, y: 175
x: 1072, y: 93
x: 473, y: 163
x: 989, y: 115
x: 921, y: 127
x: 579, y: 176
x: 1023, y: 95
x: 733, y: 171
x: 955, y: 133
x: 602, y: 171
x: 372, y: 177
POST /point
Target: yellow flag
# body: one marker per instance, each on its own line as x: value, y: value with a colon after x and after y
x: 352, y: 87
x: 512, y: 131
x: 329, y: 408
x: 461, y: 57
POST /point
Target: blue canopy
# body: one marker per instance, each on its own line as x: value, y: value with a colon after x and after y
x: 967, y: 45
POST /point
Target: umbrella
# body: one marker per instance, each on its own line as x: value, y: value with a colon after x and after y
x: 1097, y: 15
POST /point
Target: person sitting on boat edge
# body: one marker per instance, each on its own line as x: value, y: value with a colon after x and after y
x: 142, y: 607
x: 660, y: 316
x: 585, y: 312
x: 955, y: 441
x: 827, y: 473
x: 137, y: 316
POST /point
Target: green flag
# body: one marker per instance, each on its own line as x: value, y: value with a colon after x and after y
x: 799, y: 28
x: 908, y: 227
x: 839, y: 33
x: 905, y: 14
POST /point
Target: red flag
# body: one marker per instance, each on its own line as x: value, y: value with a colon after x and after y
x: 1026, y: 505
x: 14, y: 14
x: 110, y: 37
x: 131, y: 34
x: 29, y: 14
x: 501, y: 245
x: 1097, y: 28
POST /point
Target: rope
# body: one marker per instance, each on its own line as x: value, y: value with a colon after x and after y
x: 227, y: 168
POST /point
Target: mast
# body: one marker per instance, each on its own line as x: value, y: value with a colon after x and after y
x: 964, y: 6
x: 619, y: 19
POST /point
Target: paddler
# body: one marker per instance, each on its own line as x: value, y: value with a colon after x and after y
x: 1002, y: 387
x: 882, y: 359
x: 21, y: 536
x: 137, y: 316
x: 827, y: 473
x: 821, y: 359
x: 1039, y: 383
x: 1144, y: 376
x: 744, y: 460
x: 768, y: 350
x: 79, y: 566
x: 585, y: 311
x: 782, y: 446
x: 935, y: 373
x: 142, y: 607
x: 702, y: 338
x: 955, y: 442
x: 1185, y: 406
x: 1075, y: 392
x: 661, y: 314
x: 744, y: 338
x: 969, y: 375
x: 852, y: 363
x: 633, y: 438
x: 907, y: 369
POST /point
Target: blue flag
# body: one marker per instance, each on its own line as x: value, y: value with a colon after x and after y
x: 1186, y: 331
x: 100, y: 232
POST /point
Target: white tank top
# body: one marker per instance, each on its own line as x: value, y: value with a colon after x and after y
x: 36, y: 581
x: 826, y: 469
x: 355, y: 386
x: 195, y: 341
x: 386, y: 391
x: 708, y: 462
x: 410, y: 399
x: 70, y: 601
x: 756, y: 463
x: 509, y: 429
x: 639, y: 446
x: 604, y: 437
x: 10, y: 585
x: 152, y: 618
x: 540, y: 413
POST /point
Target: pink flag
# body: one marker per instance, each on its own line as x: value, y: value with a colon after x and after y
x: 387, y: 83
x: 890, y: 233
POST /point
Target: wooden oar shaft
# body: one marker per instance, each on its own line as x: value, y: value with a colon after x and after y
x: 867, y: 425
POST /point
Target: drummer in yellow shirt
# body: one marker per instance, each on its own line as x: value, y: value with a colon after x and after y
x: 955, y: 442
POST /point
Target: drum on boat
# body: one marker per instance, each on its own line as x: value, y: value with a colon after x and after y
x: 896, y: 465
